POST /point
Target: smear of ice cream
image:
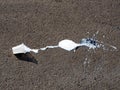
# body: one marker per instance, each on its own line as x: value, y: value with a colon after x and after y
x: 93, y: 43
x: 90, y: 43
x: 86, y: 42
x: 106, y: 45
x: 71, y: 45
x: 64, y: 44
x: 48, y: 47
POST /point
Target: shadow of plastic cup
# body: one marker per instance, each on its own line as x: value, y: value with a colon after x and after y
x: 26, y: 57
x: 22, y: 52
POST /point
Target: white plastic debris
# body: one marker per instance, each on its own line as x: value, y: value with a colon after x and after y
x: 22, y: 48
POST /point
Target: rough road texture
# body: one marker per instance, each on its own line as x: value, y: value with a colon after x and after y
x: 38, y: 23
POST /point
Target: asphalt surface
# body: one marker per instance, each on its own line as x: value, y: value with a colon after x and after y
x: 39, y: 23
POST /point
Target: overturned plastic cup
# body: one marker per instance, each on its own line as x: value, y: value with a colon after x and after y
x: 22, y: 48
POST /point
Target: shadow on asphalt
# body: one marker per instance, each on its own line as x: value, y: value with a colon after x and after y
x: 26, y: 57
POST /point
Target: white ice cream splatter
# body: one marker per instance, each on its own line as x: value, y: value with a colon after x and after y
x: 64, y: 44
x: 70, y: 45
x: 48, y: 47
x: 90, y: 43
